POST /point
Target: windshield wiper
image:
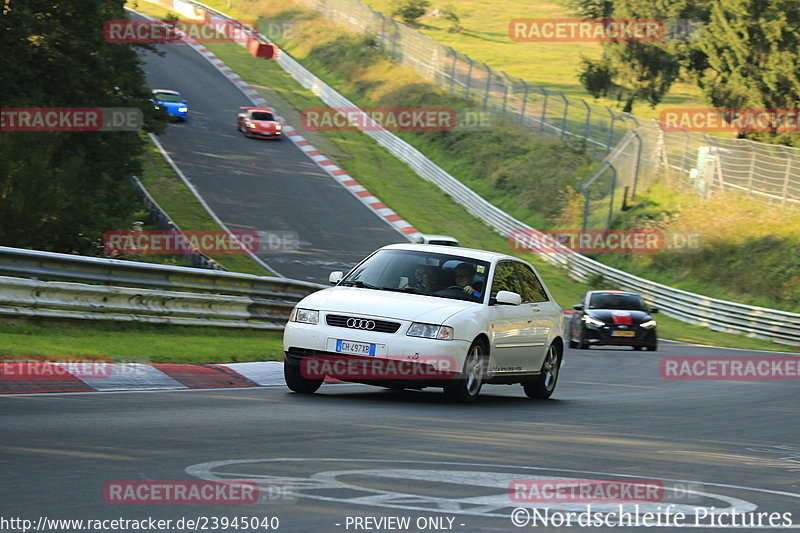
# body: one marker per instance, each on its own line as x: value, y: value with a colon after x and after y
x: 358, y: 283
x: 412, y: 290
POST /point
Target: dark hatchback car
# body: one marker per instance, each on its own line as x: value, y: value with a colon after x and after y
x: 613, y: 318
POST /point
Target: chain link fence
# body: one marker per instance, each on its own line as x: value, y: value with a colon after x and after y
x: 635, y: 152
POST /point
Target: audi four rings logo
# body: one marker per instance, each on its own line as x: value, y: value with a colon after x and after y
x: 360, y: 323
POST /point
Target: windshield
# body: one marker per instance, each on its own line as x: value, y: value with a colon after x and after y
x: 420, y: 272
x: 612, y: 300
x: 261, y: 116
x: 168, y: 97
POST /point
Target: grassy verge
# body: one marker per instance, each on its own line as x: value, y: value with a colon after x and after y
x: 139, y: 342
x: 748, y: 250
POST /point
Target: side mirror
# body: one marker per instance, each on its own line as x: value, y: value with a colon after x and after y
x: 654, y: 310
x: 508, y: 298
x: 335, y: 277
x: 578, y: 307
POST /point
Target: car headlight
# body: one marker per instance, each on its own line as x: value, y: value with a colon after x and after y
x: 278, y: 127
x: 430, y: 331
x: 650, y: 324
x: 249, y: 124
x: 306, y: 316
x: 591, y: 321
x: 183, y: 109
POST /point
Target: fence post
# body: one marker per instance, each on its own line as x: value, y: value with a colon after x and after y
x: 610, y: 129
x: 564, y: 116
x: 752, y: 170
x: 524, y: 101
x: 636, y: 165
x: 585, y: 194
x: 544, y: 108
x: 395, y: 39
x: 789, y: 161
x: 469, y: 77
x: 506, y: 83
x: 686, y: 167
x: 613, y: 189
x: 488, y: 86
x: 453, y: 71
x: 586, y: 125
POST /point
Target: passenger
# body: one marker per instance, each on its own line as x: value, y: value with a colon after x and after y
x: 425, y: 278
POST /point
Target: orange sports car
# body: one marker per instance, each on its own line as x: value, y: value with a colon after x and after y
x: 260, y: 123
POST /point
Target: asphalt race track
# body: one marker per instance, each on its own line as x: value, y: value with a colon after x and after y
x: 261, y: 185
x: 353, y: 451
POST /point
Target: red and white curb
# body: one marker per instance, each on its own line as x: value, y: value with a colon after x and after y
x: 333, y: 170
x: 42, y: 377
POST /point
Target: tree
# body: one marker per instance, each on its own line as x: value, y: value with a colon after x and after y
x: 409, y: 10
x: 638, y: 70
x: 450, y: 14
x: 751, y: 58
x: 592, y: 9
x: 61, y: 191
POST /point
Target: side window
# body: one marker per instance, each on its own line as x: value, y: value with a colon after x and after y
x: 532, y: 290
x: 505, y: 279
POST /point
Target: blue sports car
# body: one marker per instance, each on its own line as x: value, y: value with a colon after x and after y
x: 171, y: 102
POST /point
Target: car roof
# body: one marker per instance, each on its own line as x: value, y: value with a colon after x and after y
x: 471, y: 253
x: 259, y: 109
x: 168, y: 91
x: 438, y: 237
x: 614, y: 291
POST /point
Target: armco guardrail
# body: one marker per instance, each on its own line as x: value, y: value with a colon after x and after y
x: 720, y: 315
x: 32, y: 283
x: 56, y: 299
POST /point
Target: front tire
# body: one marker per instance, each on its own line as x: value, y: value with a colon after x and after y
x: 297, y: 383
x: 466, y: 389
x: 542, y: 386
x: 582, y: 344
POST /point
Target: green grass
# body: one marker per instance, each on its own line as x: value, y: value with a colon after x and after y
x: 553, y: 65
x: 139, y: 342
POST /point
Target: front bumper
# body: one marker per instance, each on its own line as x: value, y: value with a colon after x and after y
x: 609, y: 335
x: 415, y: 356
x: 263, y: 134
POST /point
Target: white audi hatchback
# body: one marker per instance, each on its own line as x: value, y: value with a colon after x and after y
x: 415, y: 316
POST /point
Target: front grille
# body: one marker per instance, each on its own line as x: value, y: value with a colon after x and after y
x: 381, y: 326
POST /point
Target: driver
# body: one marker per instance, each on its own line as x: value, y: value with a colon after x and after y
x: 465, y: 277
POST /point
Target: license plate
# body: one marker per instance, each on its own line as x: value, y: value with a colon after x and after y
x: 623, y: 333
x: 354, y: 348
